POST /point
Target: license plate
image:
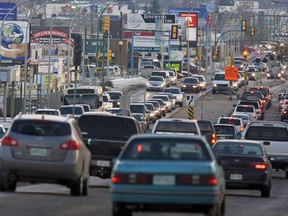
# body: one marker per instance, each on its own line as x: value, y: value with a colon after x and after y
x: 164, y: 180
x: 103, y: 163
x: 236, y: 177
x: 38, y: 152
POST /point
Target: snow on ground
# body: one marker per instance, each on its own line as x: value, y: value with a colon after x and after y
x: 127, y: 83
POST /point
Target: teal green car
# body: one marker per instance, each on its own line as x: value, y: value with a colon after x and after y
x: 170, y: 173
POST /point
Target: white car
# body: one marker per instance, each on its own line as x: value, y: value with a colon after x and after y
x: 202, y: 81
x: 237, y: 122
x: 173, y: 77
x: 107, y: 102
x: 165, y: 98
x: 157, y: 83
x: 246, y: 109
x: 178, y: 95
x: 246, y: 119
x: 47, y: 111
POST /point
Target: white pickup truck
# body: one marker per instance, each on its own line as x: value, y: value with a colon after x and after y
x: 274, y: 137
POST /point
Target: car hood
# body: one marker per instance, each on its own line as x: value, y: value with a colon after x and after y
x: 155, y: 83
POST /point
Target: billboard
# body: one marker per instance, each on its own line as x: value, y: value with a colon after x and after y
x: 15, y: 39
x: 8, y: 9
x: 202, y: 14
x: 40, y: 44
x: 148, y: 22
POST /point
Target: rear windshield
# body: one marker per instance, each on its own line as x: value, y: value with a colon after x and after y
x: 164, y: 97
x: 107, y: 127
x: 115, y: 95
x: 41, y: 127
x: 69, y: 110
x: 244, y: 109
x: 176, y: 127
x: 251, y: 96
x: 266, y: 133
x: 137, y: 108
x: 163, y: 74
x: 230, y: 121
x: 205, y: 126
x: 237, y: 149
x: 166, y: 149
x: 256, y: 105
x: 47, y: 112
x: 263, y: 91
x: 224, y: 129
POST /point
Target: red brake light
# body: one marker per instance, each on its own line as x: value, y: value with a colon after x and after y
x: 9, y: 141
x: 197, y: 180
x: 208, y: 180
x: 260, y: 166
x: 118, y: 178
x: 70, y: 145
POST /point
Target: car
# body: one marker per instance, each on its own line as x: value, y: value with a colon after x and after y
x: 47, y: 111
x: 166, y: 100
x: 157, y: 108
x: 156, y: 83
x: 178, y: 95
x: 190, y: 84
x: 255, y: 172
x: 118, y: 111
x: 246, y: 119
x: 202, y: 80
x: 284, y: 113
x: 226, y: 131
x: 273, y: 135
x: 246, y: 109
x: 173, y: 76
x: 265, y: 91
x: 252, y: 95
x: 257, y: 105
x: 207, y: 129
x: 74, y: 110
x: 115, y: 97
x: 139, y: 108
x: 107, y: 102
x: 171, y: 97
x: 219, y: 84
x: 44, y: 149
x: 283, y: 104
x: 165, y: 74
x: 237, y: 122
x: 167, y: 173
x: 253, y: 73
x: 162, y: 105
x: 105, y: 134
x: 142, y: 120
x: 176, y: 126
x: 152, y: 112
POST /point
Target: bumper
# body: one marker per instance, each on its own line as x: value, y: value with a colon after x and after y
x: 155, y: 88
x: 101, y: 171
x: 221, y: 89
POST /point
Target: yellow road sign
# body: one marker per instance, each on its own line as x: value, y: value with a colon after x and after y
x: 190, y: 112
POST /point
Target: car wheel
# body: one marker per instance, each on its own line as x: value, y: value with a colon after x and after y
x: 265, y: 191
x: 11, y: 185
x: 85, y: 186
x: 216, y: 210
x: 77, y: 187
x: 181, y: 104
x: 286, y: 174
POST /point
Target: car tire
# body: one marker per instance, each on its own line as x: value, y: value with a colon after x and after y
x: 77, y: 187
x: 286, y: 174
x: 11, y: 185
x: 216, y: 210
x: 265, y: 191
x: 85, y: 186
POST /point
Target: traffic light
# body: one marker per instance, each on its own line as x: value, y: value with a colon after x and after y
x: 106, y: 23
x: 109, y: 55
x: 243, y: 25
x: 245, y: 55
x: 174, y: 32
x: 252, y: 31
x: 77, y: 49
x: 275, y: 20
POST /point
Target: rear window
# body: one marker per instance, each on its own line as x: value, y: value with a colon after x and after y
x: 244, y: 109
x: 224, y: 129
x: 205, y: 126
x: 173, y: 91
x: 47, y: 112
x: 237, y: 149
x: 256, y: 105
x: 230, y: 121
x: 263, y: 91
x: 41, y: 127
x: 176, y: 127
x: 166, y: 149
x: 137, y: 108
x: 251, y: 96
x: 163, y: 74
x: 69, y: 110
x: 110, y: 127
x: 266, y: 133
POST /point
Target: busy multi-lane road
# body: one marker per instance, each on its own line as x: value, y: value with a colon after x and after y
x: 46, y: 199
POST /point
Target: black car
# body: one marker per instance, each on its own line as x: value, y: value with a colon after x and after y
x: 246, y: 165
x: 104, y: 135
x: 265, y: 91
x: 207, y: 129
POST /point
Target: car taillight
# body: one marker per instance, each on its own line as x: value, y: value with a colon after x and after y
x: 123, y: 178
x: 259, y: 166
x: 254, y: 115
x: 9, y: 141
x: 241, y: 129
x: 197, y: 180
x: 213, y: 138
x: 70, y: 145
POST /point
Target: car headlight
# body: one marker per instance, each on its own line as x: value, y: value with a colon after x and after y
x: 279, y: 75
x: 268, y: 75
x: 151, y: 114
x: 178, y: 97
x: 184, y: 86
x: 253, y: 74
x: 148, y: 84
x: 162, y: 84
x: 194, y: 86
x: 118, y: 102
x: 214, y: 85
x: 234, y: 84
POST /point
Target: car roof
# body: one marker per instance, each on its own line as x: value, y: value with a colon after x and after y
x: 47, y: 109
x: 165, y: 136
x: 41, y: 117
x: 177, y: 120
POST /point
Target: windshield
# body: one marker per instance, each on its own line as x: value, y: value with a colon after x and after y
x: 137, y: 108
x: 149, y: 107
x: 69, y: 110
x: 219, y: 77
x: 115, y: 95
x: 154, y: 78
x: 173, y: 91
x: 244, y: 109
x: 92, y: 100
x: 189, y: 80
x: 176, y: 127
x: 230, y: 121
x: 166, y: 148
x: 237, y: 148
x: 164, y: 98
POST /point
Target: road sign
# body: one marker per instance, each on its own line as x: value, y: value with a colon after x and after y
x: 190, y: 112
x: 190, y: 100
x: 231, y: 73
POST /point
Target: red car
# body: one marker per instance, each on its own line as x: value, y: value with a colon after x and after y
x: 190, y: 84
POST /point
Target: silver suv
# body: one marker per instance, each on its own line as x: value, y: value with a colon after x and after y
x: 44, y: 149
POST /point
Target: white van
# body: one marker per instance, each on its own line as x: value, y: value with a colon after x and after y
x: 219, y: 83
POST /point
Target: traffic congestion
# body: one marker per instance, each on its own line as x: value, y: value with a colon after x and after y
x: 137, y: 124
